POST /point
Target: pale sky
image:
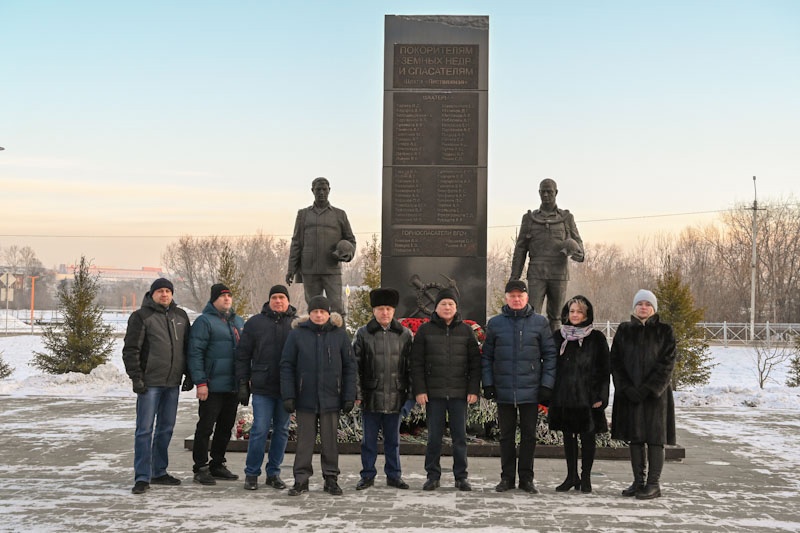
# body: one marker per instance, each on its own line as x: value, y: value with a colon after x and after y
x: 158, y: 119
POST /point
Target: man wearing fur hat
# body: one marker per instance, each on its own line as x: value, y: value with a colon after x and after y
x: 154, y: 354
x: 321, y: 241
x: 446, y: 377
x: 318, y: 379
x: 383, y: 350
x: 549, y: 236
x: 258, y: 362
x: 212, y: 347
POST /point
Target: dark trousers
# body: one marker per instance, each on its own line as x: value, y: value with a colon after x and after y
x: 556, y: 292
x: 307, y: 436
x: 438, y: 412
x: 217, y: 415
x: 389, y: 423
x: 528, y: 418
x: 314, y: 284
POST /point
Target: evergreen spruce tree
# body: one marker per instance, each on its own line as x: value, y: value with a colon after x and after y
x: 676, y: 307
x: 5, y: 368
x: 229, y: 275
x: 793, y: 376
x: 83, y: 341
x: 359, y: 311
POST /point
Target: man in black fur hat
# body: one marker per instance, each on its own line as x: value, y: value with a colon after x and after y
x: 383, y: 350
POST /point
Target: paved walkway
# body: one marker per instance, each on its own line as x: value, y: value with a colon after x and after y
x: 67, y: 465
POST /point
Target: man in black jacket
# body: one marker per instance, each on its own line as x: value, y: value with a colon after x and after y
x: 154, y: 354
x: 383, y: 350
x: 258, y: 360
x: 446, y: 377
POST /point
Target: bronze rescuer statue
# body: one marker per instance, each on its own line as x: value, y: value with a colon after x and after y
x: 549, y: 236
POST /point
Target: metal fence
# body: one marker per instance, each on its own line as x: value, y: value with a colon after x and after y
x: 733, y: 333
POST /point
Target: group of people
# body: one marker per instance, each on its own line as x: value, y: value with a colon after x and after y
x: 308, y: 365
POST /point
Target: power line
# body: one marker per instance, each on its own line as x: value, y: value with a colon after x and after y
x: 63, y: 236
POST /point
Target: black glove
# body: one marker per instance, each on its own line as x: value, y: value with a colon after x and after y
x: 188, y: 384
x: 633, y: 395
x: 489, y: 392
x: 348, y: 406
x: 138, y: 386
x: 288, y: 405
x: 244, y: 393
x: 545, y: 395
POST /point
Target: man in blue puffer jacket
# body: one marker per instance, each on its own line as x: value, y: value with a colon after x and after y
x: 519, y: 371
x: 212, y: 345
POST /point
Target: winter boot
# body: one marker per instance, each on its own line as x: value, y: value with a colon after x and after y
x: 637, y: 465
x: 588, y: 447
x: 571, y: 454
x: 655, y: 456
x: 332, y: 486
x: 203, y: 477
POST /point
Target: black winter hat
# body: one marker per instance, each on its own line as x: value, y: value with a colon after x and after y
x: 516, y: 285
x: 446, y: 294
x: 319, y: 302
x: 162, y: 283
x: 217, y: 290
x: 384, y: 296
x: 279, y: 289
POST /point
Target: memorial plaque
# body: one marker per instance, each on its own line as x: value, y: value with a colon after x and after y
x: 435, y: 129
x: 434, y: 176
x: 431, y: 195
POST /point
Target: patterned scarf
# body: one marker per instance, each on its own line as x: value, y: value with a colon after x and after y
x: 574, y: 333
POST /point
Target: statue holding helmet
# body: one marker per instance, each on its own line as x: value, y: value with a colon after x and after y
x: 548, y: 236
x: 321, y: 241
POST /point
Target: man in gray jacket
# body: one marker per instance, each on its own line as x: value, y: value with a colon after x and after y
x: 154, y: 354
x: 322, y: 239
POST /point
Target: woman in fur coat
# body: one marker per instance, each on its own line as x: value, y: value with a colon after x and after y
x: 580, y: 395
x: 642, y: 360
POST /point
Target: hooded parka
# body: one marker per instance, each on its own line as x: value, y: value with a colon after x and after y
x: 318, y: 369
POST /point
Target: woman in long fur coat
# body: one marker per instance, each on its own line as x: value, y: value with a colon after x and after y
x: 580, y: 395
x: 642, y: 360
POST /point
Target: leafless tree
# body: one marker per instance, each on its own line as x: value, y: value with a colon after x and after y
x: 768, y: 357
x: 193, y: 264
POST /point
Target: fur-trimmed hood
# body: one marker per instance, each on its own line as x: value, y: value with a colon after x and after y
x: 335, y: 321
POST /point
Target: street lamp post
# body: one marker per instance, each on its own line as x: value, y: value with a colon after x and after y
x: 33, y: 293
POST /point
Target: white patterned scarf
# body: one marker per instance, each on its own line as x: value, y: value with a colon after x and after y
x: 574, y: 333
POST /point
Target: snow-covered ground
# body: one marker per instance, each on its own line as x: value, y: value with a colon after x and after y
x: 747, y: 479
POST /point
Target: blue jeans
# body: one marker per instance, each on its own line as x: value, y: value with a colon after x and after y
x: 267, y: 411
x: 157, y: 407
x: 438, y: 412
x: 390, y: 424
